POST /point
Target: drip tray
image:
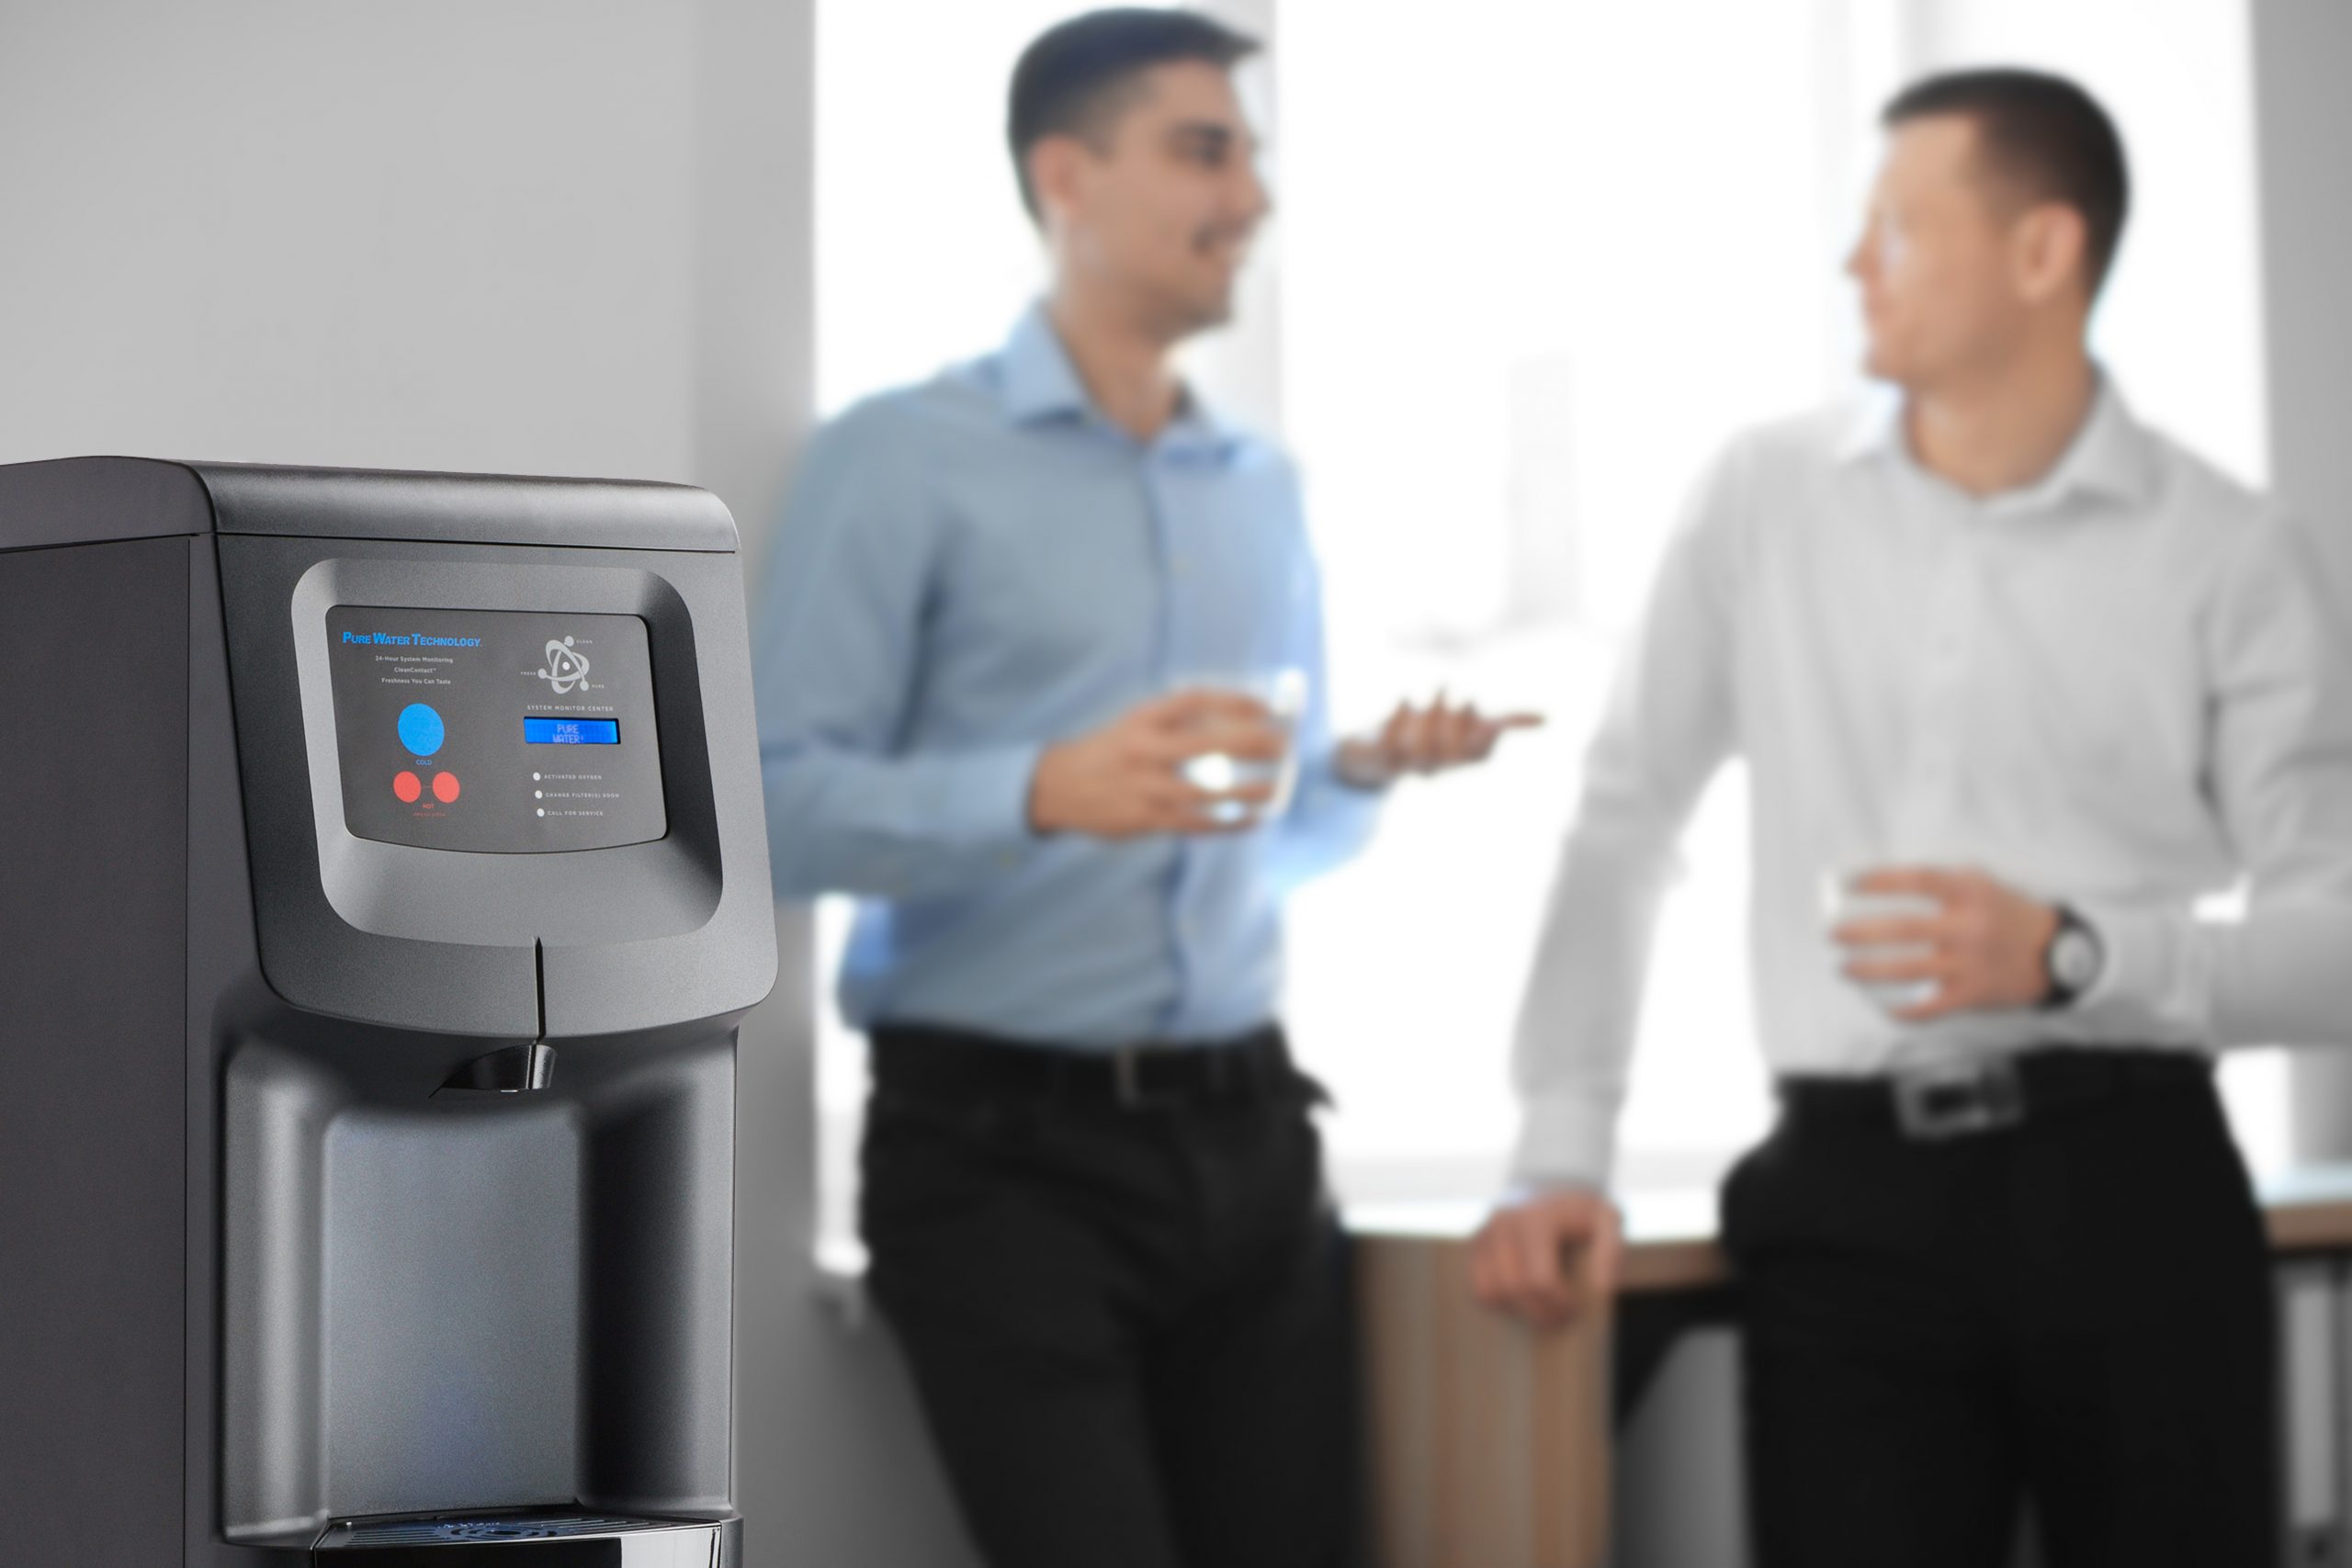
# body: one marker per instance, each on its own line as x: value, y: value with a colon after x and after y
x: 527, y: 1538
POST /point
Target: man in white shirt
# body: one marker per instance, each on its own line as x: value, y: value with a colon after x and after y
x: 2018, y: 681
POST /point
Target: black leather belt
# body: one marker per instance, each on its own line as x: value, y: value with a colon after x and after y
x: 931, y: 1063
x: 1958, y: 1099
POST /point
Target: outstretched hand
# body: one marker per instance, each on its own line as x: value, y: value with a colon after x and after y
x: 1430, y: 740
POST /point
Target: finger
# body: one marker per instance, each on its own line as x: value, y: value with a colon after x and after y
x: 1555, y: 1306
x: 1182, y: 798
x: 1247, y: 743
x: 1252, y: 742
x: 1396, y: 736
x: 1445, y: 734
x: 1540, y: 1269
x: 1431, y: 745
x: 1516, y: 721
x: 1578, y: 1257
x: 1567, y: 1299
x: 1608, y: 1261
x: 1434, y: 737
x: 1946, y: 1001
x: 1492, y: 1263
x: 1174, y: 804
x: 1462, y: 733
x: 1926, y: 966
x: 1499, y: 1270
x: 1919, y: 879
x: 1206, y: 825
x: 1890, y: 931
x: 1526, y: 1265
x: 1412, y: 739
x: 1204, y: 704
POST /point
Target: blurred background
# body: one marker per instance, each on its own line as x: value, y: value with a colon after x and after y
x: 1533, y: 260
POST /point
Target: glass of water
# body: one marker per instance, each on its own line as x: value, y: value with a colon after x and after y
x: 1841, y: 902
x: 1282, y: 693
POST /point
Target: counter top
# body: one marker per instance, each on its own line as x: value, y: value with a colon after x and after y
x: 1671, y: 1234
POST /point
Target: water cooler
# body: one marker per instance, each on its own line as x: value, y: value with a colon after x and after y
x: 382, y: 878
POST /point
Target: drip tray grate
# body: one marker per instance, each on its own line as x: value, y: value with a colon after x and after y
x: 487, y: 1529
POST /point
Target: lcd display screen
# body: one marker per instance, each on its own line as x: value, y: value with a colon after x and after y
x: 570, y: 733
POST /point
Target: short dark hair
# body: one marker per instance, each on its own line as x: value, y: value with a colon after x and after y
x: 1076, y: 74
x: 2045, y: 134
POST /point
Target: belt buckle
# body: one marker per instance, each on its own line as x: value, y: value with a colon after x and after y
x: 1128, y: 1091
x: 1958, y: 1100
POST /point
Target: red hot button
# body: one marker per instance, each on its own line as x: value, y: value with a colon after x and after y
x: 406, y: 787
x: 444, y: 786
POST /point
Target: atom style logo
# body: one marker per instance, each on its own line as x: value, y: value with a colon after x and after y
x: 565, y: 668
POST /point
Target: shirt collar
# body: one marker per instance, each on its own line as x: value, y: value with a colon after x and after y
x: 2108, y: 459
x: 1876, y: 428
x: 1040, y: 384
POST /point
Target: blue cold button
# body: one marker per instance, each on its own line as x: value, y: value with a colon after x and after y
x: 421, y: 729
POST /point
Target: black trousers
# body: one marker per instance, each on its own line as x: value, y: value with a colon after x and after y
x: 1128, y: 1327
x: 2074, y: 1314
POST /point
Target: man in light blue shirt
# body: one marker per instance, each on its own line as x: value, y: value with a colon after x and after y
x: 1041, y: 635
x: 971, y: 569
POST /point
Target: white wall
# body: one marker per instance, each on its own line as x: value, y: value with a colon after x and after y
x: 434, y: 235
x: 536, y: 236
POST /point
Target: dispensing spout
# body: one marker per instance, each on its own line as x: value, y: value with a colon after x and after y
x: 517, y: 1069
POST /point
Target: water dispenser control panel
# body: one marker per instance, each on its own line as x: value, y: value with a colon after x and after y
x: 495, y: 731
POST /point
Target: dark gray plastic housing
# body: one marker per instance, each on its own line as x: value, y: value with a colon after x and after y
x: 303, y: 1291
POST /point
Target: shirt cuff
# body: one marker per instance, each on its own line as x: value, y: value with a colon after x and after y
x: 1565, y: 1140
x: 2149, y: 977
x: 1337, y: 776
x: 985, y: 803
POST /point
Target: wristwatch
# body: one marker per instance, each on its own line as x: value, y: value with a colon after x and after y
x: 2073, y: 960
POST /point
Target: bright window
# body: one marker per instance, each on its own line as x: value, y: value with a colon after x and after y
x: 1523, y: 302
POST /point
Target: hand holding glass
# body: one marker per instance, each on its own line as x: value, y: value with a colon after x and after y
x: 1128, y: 778
x: 1280, y: 698
x: 1844, y: 904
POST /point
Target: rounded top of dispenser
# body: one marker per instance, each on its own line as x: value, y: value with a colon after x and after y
x: 71, y: 501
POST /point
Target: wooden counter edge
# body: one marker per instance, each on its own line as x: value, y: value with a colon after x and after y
x: 1696, y: 1263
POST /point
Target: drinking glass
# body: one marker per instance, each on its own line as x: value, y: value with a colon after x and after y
x: 1282, y: 693
x: 1841, y: 902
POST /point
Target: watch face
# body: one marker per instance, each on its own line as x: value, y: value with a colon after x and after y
x: 2073, y: 959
